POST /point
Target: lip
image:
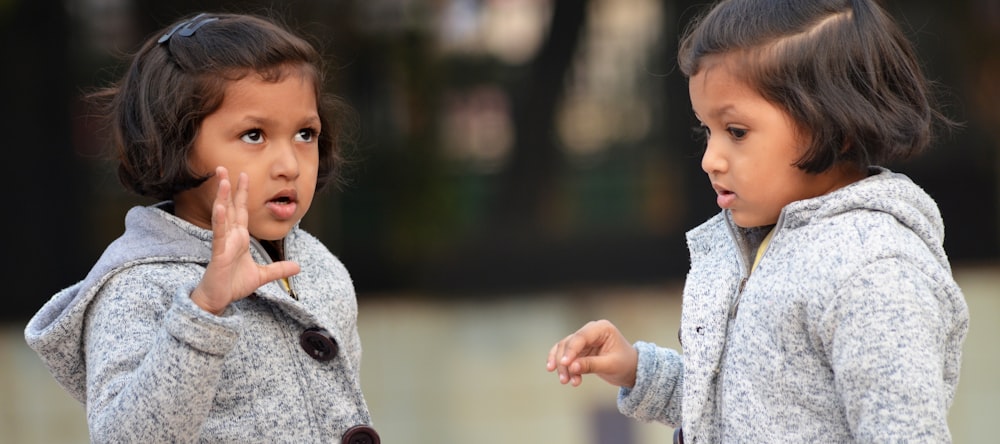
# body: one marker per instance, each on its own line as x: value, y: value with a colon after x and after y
x: 284, y: 204
x: 724, y: 198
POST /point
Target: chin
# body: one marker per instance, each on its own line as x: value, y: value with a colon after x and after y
x: 744, y: 222
x: 272, y: 234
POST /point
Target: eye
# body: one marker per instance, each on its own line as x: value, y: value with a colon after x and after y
x: 254, y: 136
x: 306, y: 135
x: 737, y: 133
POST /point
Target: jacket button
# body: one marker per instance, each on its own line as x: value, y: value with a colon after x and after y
x: 318, y: 343
x: 361, y: 434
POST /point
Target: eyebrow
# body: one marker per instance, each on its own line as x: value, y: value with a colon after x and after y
x: 718, y: 112
x: 260, y: 121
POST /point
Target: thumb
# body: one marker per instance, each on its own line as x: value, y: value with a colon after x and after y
x: 278, y: 270
x: 591, y: 364
x: 616, y: 368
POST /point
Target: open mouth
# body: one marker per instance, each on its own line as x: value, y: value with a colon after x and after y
x: 283, y: 205
x: 284, y: 197
x: 724, y: 197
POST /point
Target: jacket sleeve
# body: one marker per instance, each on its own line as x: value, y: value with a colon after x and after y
x: 154, y: 360
x: 890, y: 336
x: 659, y: 386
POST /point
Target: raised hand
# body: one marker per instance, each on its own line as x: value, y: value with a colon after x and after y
x: 232, y: 274
x: 599, y: 348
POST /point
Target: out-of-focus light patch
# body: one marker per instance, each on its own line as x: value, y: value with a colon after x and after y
x: 606, y: 101
x: 459, y: 26
x: 588, y: 126
x: 510, y: 30
x: 389, y: 17
x: 515, y: 29
x: 477, y: 128
x: 107, y: 25
x: 584, y: 126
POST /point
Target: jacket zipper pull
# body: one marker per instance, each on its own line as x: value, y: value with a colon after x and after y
x: 287, y: 283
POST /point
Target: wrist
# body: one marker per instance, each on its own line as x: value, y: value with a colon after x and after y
x: 200, y: 299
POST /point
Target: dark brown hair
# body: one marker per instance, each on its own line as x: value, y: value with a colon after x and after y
x: 842, y: 69
x: 176, y: 79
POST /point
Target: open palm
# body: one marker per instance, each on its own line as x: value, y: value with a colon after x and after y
x: 232, y: 274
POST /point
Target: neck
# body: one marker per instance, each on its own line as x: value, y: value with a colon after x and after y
x: 275, y: 249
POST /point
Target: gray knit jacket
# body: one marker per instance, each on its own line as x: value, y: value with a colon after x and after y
x: 849, y: 330
x: 152, y: 367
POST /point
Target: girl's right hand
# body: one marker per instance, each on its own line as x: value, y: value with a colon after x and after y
x: 599, y: 348
x: 232, y: 274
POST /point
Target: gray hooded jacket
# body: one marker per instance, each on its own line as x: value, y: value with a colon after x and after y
x: 849, y: 330
x: 153, y: 367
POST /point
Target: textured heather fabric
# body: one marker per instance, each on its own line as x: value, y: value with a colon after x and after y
x: 153, y: 367
x: 849, y: 330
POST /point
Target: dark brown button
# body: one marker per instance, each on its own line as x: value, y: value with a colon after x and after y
x: 318, y: 343
x: 361, y: 434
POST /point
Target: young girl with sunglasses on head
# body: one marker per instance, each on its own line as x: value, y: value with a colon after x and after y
x: 215, y: 317
x: 820, y: 304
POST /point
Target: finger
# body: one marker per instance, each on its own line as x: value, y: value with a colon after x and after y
x: 227, y: 198
x: 222, y: 196
x: 225, y: 187
x: 278, y: 270
x: 576, y: 343
x: 590, y: 364
x: 550, y: 361
x: 586, y: 341
x: 554, y: 362
x: 585, y: 365
x: 240, y: 199
x: 220, y: 223
x: 564, y: 357
x: 218, y: 228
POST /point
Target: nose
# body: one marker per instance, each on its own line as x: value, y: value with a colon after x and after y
x: 712, y: 161
x: 285, y: 161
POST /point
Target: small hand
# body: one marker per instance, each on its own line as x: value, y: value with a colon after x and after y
x: 599, y: 348
x: 232, y: 274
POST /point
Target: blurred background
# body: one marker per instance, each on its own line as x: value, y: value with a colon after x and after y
x: 522, y: 167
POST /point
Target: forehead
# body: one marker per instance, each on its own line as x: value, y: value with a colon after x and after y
x: 271, y: 74
x: 717, y: 86
x: 256, y: 100
x: 272, y: 85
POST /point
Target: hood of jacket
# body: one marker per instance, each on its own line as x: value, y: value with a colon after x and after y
x: 882, y: 191
x: 151, y: 235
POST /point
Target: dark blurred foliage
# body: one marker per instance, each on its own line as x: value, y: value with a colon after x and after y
x: 413, y: 218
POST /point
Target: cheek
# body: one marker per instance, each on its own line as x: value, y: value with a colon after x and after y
x: 310, y: 168
x: 203, y: 162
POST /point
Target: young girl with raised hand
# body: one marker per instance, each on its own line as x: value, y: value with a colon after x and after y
x: 215, y: 317
x: 820, y: 305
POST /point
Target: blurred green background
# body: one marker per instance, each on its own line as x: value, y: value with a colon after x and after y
x: 522, y: 166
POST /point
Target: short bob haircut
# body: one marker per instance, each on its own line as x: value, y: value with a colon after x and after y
x: 842, y: 69
x: 172, y: 83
